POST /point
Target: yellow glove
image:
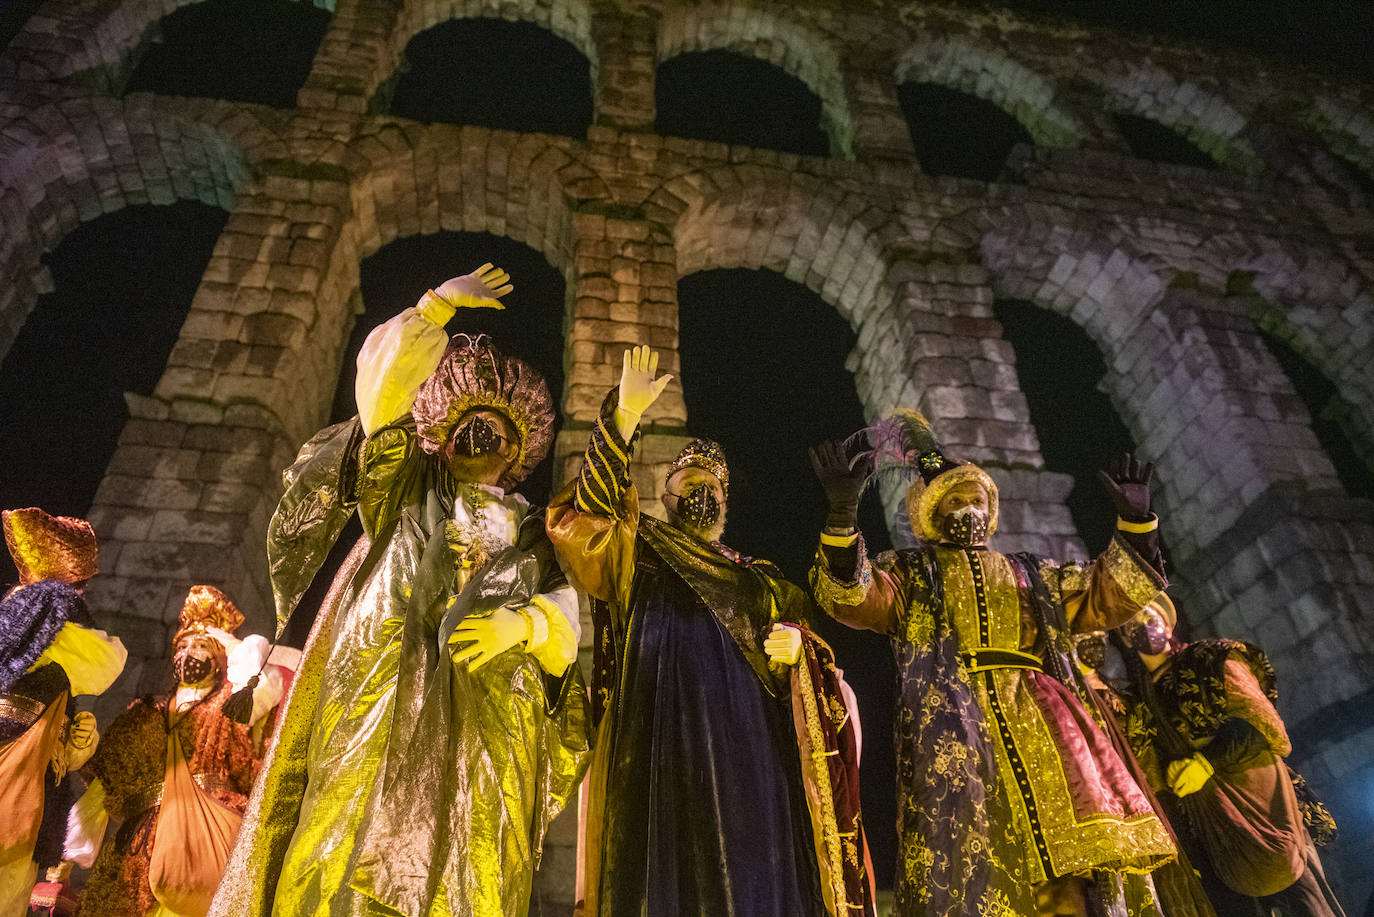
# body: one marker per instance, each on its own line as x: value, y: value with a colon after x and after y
x: 82, y: 739
x: 638, y: 388
x: 783, y: 645
x: 1188, y: 775
x: 482, y: 289
x: 490, y: 636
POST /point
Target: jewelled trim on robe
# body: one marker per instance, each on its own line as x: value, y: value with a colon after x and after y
x: 1137, y: 579
x: 830, y: 591
x: 820, y: 772
x: 1018, y: 764
x: 15, y: 708
x: 605, y: 473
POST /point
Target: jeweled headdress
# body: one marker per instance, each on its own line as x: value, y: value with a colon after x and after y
x: 904, y: 444
x: 707, y: 455
x: 472, y: 376
x: 50, y: 547
x: 206, y: 607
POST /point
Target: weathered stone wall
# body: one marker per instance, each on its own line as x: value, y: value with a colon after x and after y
x: 1171, y: 270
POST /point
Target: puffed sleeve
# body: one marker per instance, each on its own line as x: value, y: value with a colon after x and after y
x: 1109, y: 591
x: 593, y: 522
x: 396, y: 359
x: 854, y: 591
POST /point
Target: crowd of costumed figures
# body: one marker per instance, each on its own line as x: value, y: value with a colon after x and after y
x: 1059, y: 749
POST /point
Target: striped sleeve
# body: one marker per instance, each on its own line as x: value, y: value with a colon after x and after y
x: 605, y: 474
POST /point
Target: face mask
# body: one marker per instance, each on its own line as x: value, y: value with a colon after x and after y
x: 966, y: 526
x: 1092, y: 652
x: 476, y: 437
x: 191, y: 669
x: 1149, y: 638
x: 698, y: 507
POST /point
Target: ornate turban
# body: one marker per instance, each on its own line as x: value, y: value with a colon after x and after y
x: 50, y: 547
x: 472, y: 376
x: 906, y: 441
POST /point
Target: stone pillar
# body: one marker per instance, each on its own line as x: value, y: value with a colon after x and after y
x: 195, y: 477
x: 625, y: 42
x: 880, y: 128
x: 353, y: 57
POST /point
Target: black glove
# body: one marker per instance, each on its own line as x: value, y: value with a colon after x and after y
x: 843, y: 485
x: 1128, y: 484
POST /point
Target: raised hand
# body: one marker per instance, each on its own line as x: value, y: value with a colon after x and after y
x: 482, y: 289
x: 843, y: 483
x: 487, y: 637
x: 638, y: 387
x: 1127, y: 482
x: 783, y: 645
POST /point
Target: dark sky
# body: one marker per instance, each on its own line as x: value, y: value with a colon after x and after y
x: 1330, y: 36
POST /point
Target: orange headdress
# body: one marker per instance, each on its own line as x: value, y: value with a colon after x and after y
x: 49, y: 547
x: 207, y: 607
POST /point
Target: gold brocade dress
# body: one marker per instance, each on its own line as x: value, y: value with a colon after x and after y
x: 1006, y: 779
x: 1073, y: 811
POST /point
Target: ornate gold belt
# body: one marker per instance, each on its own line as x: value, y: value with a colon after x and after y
x: 20, y: 709
x: 981, y: 660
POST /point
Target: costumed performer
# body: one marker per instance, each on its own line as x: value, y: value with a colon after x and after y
x: 1176, y: 886
x: 704, y: 783
x: 173, y: 772
x: 1201, y: 718
x: 1012, y: 800
x: 437, y: 722
x: 50, y: 653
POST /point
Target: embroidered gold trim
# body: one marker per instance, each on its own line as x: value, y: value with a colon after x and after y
x: 1136, y: 578
x: 821, y: 772
x: 830, y: 591
x: 20, y: 709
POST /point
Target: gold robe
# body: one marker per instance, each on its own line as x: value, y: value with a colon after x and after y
x: 399, y: 782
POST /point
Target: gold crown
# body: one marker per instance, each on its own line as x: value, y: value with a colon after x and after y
x: 707, y: 455
x: 207, y: 607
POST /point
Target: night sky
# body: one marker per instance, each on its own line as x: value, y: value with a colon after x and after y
x: 762, y: 358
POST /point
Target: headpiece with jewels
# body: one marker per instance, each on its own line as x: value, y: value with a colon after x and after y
x: 473, y: 375
x: 206, y: 607
x: 707, y: 455
x: 904, y: 444
x: 48, y: 547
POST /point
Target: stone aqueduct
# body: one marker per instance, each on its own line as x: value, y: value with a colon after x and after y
x: 1170, y: 270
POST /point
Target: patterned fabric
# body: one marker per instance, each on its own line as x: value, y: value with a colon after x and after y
x: 1005, y: 777
x: 605, y: 473
x: 957, y: 839
x: 1200, y: 697
x: 826, y: 718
